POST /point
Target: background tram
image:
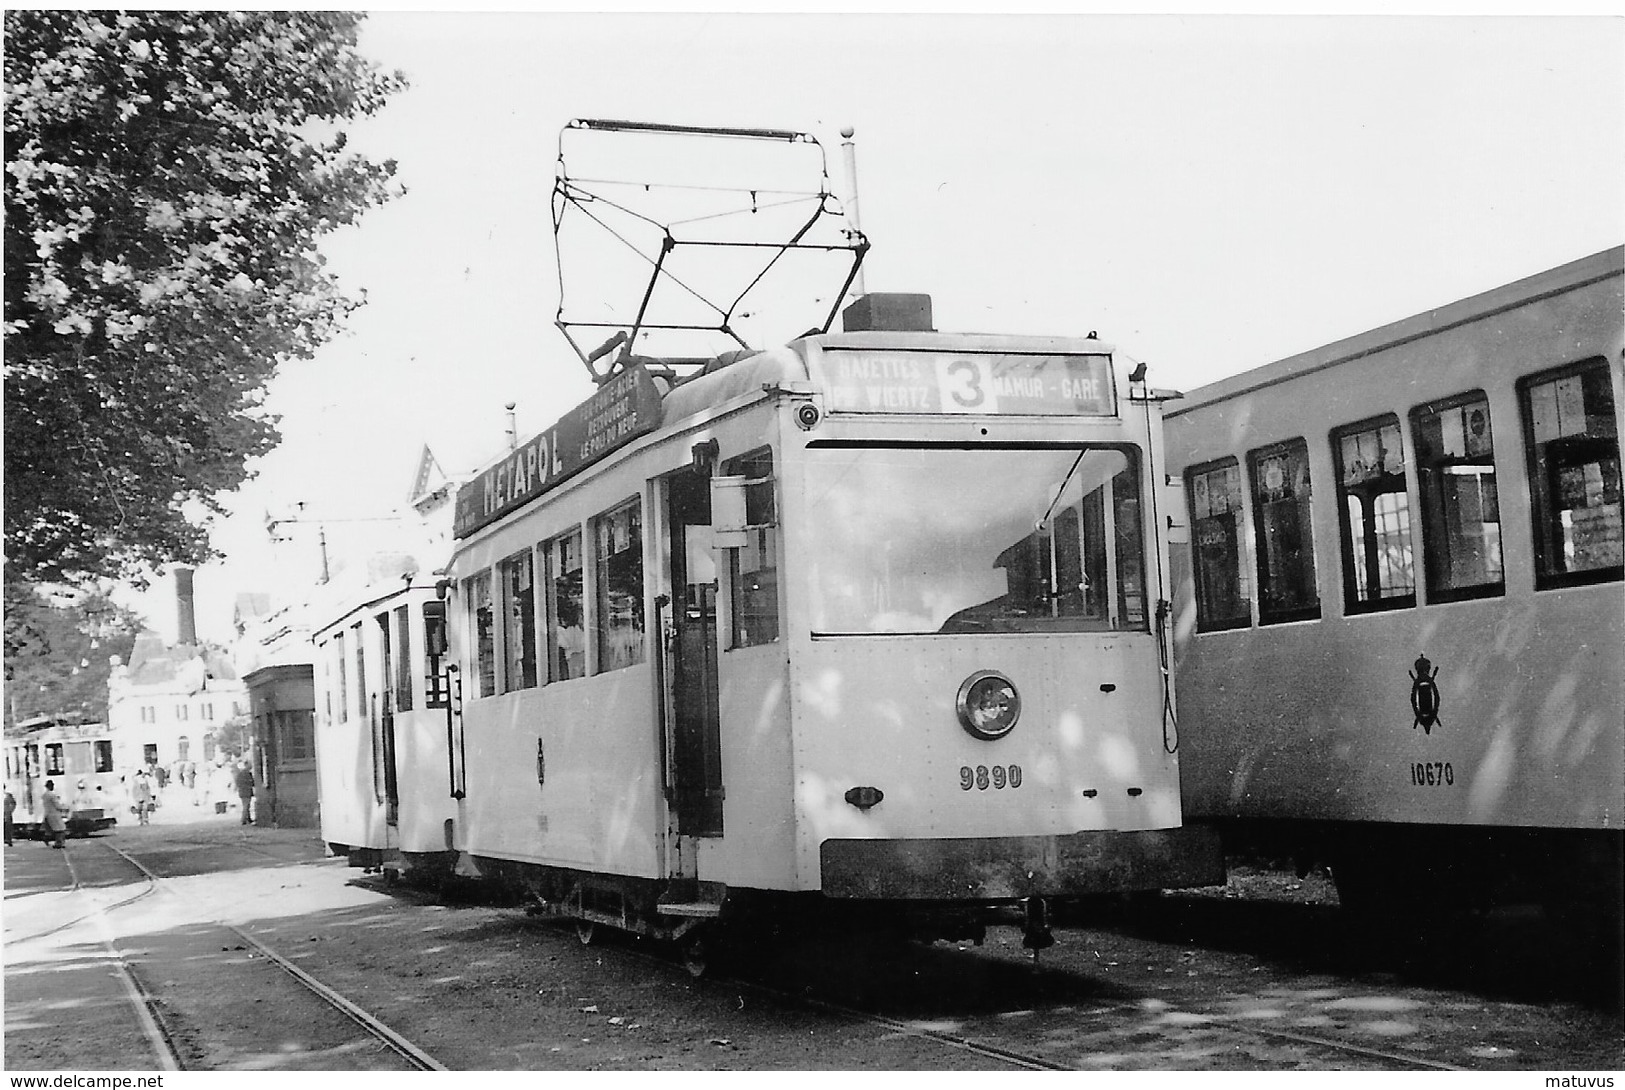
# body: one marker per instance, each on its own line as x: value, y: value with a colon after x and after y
x: 381, y: 703
x: 872, y: 619
x: 78, y: 758
x: 1400, y: 621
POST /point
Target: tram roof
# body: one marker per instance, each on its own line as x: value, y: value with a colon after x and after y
x: 1603, y: 265
x: 769, y: 367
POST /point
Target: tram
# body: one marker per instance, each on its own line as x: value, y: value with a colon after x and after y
x: 1400, y: 621
x: 385, y: 800
x: 77, y: 758
x: 874, y: 619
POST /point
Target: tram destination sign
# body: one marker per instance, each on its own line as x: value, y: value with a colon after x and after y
x: 623, y: 409
x: 1004, y: 383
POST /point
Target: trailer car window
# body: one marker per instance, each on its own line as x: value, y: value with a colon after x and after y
x: 1223, y: 597
x: 436, y: 686
x: 1572, y: 435
x: 1286, y: 542
x: 1374, y: 517
x: 340, y: 671
x: 402, y: 643
x: 1461, y: 518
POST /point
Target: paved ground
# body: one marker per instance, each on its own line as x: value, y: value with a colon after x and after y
x: 71, y: 1000
x: 1172, y: 985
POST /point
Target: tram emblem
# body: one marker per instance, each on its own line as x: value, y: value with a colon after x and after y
x: 1424, y: 695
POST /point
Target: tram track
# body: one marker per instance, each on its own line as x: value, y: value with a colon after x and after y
x: 1036, y: 1062
x: 1033, y: 1061
x: 1015, y: 1056
x: 151, y: 1022
x: 164, y: 1039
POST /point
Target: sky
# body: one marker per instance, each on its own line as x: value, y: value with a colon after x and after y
x: 1209, y: 192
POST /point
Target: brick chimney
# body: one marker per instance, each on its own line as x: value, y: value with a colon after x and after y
x: 186, y: 615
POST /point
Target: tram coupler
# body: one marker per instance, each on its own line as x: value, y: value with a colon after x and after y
x: 1035, y: 933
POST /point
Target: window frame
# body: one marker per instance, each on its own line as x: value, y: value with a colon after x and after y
x: 1102, y: 600
x: 1352, y: 604
x: 400, y: 635
x: 1255, y: 457
x: 482, y: 672
x: 552, y: 573
x: 436, y: 686
x: 288, y: 725
x: 762, y: 508
x: 516, y: 624
x: 1539, y: 494
x: 1243, y: 577
x: 600, y: 634
x: 1420, y: 519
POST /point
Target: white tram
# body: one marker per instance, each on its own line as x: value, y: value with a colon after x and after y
x: 385, y: 797
x: 1400, y: 621
x: 78, y: 759
x: 875, y: 616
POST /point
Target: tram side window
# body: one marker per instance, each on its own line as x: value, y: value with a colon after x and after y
x: 566, y: 608
x: 1374, y: 517
x: 54, y: 765
x: 1222, y: 593
x: 619, y: 537
x: 1286, y: 543
x: 1461, y: 517
x: 482, y: 623
x: 518, y: 621
x: 360, y: 671
x: 341, y: 674
x: 403, y: 659
x: 754, y: 574
x: 1573, y: 447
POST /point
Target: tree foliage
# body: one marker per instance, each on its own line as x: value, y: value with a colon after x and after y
x: 168, y: 176
x: 56, y: 653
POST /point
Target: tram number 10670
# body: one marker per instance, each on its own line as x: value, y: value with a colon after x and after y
x: 982, y: 777
x: 1432, y: 774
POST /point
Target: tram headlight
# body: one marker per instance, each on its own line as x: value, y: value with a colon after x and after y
x: 988, y: 705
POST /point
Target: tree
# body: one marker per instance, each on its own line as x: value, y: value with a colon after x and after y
x: 168, y: 177
x: 56, y: 653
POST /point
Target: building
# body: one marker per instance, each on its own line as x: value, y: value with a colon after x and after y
x: 170, y: 704
x: 274, y: 655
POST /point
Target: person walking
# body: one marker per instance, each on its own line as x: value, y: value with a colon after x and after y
x: 141, y: 796
x: 55, y: 814
x: 244, y: 779
x: 11, y: 808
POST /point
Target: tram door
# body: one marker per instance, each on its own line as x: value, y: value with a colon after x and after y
x: 696, y: 758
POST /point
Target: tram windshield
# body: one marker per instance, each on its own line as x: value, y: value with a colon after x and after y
x: 925, y: 540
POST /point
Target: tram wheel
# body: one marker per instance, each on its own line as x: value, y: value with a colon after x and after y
x: 587, y: 932
x: 696, y: 956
